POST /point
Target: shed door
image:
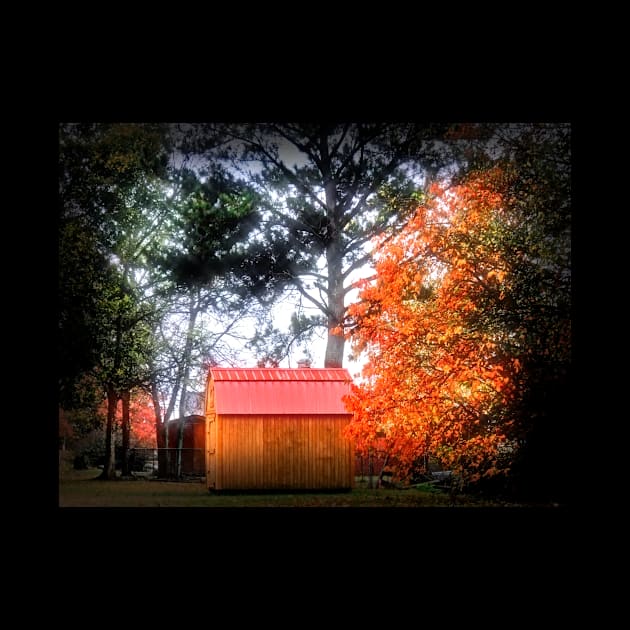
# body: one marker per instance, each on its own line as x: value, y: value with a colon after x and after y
x: 211, y: 451
x: 211, y: 439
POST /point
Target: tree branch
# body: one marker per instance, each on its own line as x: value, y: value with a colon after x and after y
x: 293, y: 178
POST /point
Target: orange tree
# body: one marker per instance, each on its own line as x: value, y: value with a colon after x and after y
x: 437, y: 381
x: 141, y: 419
x: 466, y: 324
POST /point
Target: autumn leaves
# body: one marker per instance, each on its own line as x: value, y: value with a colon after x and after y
x: 439, y: 377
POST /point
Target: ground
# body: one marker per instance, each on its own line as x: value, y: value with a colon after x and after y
x: 83, y: 489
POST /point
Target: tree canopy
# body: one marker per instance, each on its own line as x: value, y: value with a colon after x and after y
x: 324, y: 190
x: 467, y: 323
x: 141, y: 238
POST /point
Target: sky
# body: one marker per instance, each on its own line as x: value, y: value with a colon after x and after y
x: 282, y: 312
x: 281, y: 315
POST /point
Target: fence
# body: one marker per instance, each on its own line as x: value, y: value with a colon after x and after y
x: 162, y: 462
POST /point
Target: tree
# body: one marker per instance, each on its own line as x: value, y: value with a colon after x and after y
x: 142, y: 424
x: 124, y: 364
x: 133, y: 226
x: 65, y: 429
x: 438, y: 379
x: 467, y: 325
x: 107, y: 175
x: 199, y: 269
x: 536, y: 160
x: 79, y: 308
x: 325, y: 190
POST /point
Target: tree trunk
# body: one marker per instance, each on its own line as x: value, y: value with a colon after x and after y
x: 167, y: 452
x: 109, y: 468
x: 334, y: 348
x: 159, y: 428
x: 334, y: 258
x: 192, y: 320
x: 157, y: 411
x: 336, y: 310
x: 180, y: 445
x: 380, y: 474
x: 126, y: 433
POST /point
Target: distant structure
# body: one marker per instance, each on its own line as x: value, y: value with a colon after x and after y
x: 194, y: 440
x: 193, y: 447
x: 194, y: 403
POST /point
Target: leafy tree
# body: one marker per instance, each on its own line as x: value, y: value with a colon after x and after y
x: 467, y: 325
x: 438, y: 379
x: 132, y: 228
x: 65, y: 429
x: 325, y: 190
x: 142, y: 424
x: 536, y: 162
x: 82, y: 271
x: 124, y: 363
x: 199, y: 268
x: 107, y: 175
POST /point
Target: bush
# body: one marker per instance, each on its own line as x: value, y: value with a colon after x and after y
x: 81, y: 462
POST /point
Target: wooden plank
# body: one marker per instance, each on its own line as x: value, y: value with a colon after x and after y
x: 210, y: 436
x: 284, y: 452
x: 211, y: 452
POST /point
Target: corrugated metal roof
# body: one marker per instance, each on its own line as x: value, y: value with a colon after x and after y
x: 278, y: 391
x: 280, y: 374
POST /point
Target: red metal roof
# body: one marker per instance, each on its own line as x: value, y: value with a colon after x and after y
x: 277, y: 391
x: 280, y: 374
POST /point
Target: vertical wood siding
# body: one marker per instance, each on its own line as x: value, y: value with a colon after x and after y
x: 279, y: 452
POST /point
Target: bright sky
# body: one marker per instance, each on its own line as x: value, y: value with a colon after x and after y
x: 282, y: 312
x: 281, y: 315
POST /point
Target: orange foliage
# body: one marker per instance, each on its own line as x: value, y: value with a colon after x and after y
x: 142, y: 419
x: 436, y: 380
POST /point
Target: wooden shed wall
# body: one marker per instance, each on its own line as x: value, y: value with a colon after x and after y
x: 260, y: 452
x: 193, y: 461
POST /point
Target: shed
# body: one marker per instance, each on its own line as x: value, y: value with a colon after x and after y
x: 278, y: 429
x: 193, y: 448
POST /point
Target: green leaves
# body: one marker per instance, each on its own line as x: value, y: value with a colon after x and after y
x: 108, y: 177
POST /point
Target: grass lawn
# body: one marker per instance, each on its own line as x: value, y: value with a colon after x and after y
x: 82, y: 489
